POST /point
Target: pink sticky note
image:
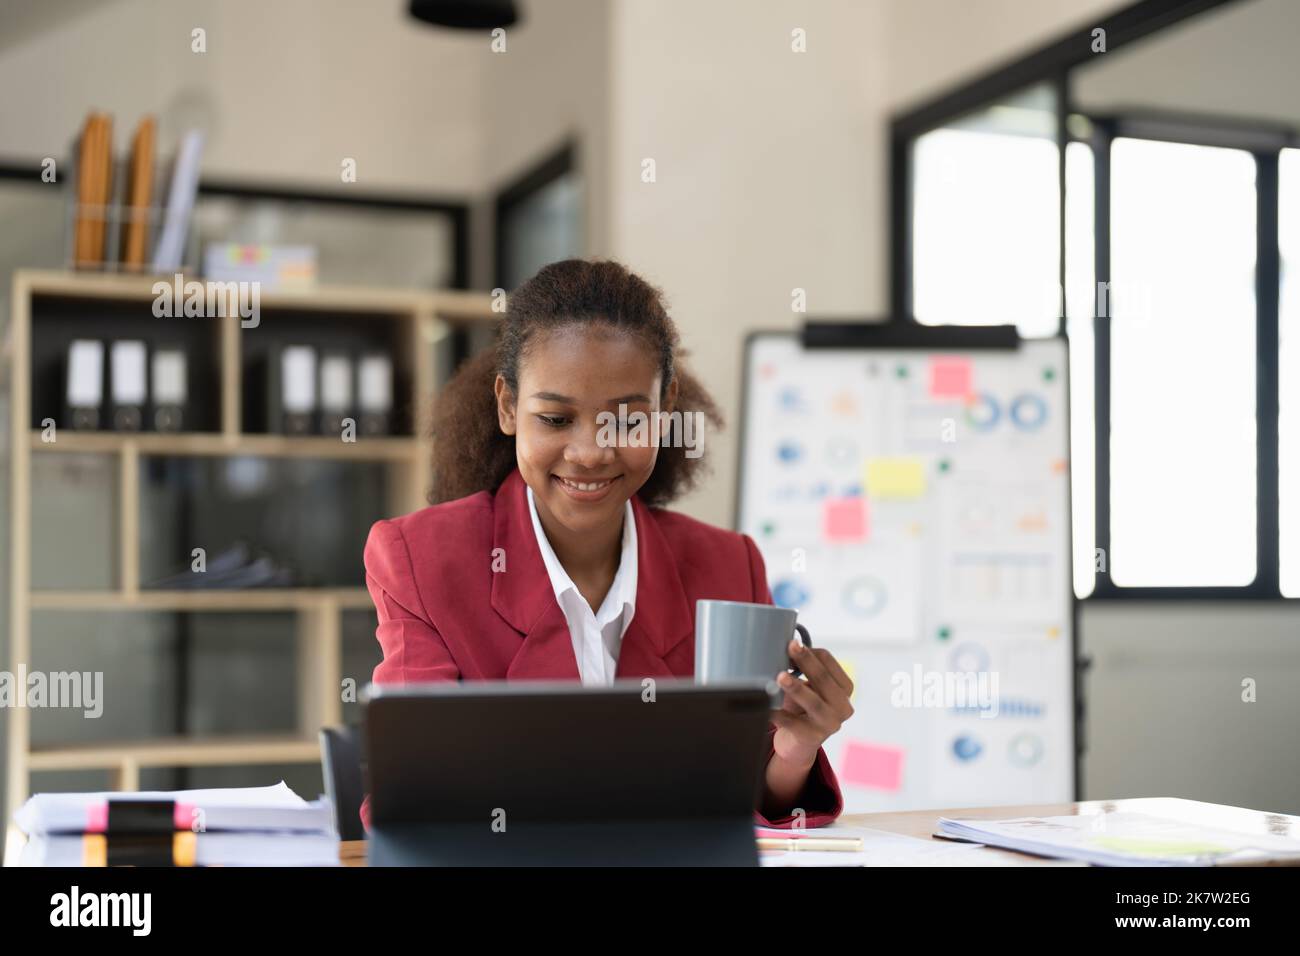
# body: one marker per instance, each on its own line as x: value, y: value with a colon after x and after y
x: 872, y: 765
x: 950, y: 377
x: 844, y: 519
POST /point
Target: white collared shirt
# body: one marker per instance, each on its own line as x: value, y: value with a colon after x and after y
x: 596, y: 637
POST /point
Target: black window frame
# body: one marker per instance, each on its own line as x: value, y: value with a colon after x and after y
x: 555, y: 165
x: 1053, y: 65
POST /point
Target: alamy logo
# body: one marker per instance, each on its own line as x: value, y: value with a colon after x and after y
x: 103, y: 909
x: 39, y: 690
x: 208, y: 299
x: 641, y: 430
x: 964, y: 690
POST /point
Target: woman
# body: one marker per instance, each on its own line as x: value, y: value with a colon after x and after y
x: 548, y: 555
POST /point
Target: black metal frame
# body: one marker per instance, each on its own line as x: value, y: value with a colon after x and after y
x: 457, y: 211
x: 559, y: 163
x: 1053, y: 65
x: 1264, y: 144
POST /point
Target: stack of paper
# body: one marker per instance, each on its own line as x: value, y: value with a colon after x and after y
x: 253, y: 826
x: 1126, y: 839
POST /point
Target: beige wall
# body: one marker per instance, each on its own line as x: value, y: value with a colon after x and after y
x: 553, y: 84
x: 770, y: 176
x: 772, y: 165
x: 358, y: 80
x: 936, y: 44
x: 1238, y: 61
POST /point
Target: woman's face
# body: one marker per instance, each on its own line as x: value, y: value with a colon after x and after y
x: 568, y: 377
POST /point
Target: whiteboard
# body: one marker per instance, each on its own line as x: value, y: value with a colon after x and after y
x: 913, y: 505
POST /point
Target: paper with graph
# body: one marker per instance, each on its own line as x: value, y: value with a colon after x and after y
x: 1127, y: 839
x: 913, y: 506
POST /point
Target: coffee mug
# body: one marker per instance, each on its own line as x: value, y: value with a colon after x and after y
x: 735, y: 640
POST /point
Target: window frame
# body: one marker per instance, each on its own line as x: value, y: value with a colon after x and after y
x: 555, y: 165
x: 1054, y: 64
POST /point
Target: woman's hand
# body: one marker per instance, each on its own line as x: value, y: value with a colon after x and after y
x: 813, y: 709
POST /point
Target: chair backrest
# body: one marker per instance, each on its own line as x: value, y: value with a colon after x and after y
x: 340, y: 759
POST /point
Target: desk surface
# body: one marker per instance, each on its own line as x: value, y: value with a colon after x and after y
x: 922, y: 823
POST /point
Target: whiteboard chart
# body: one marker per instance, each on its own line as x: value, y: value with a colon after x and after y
x: 909, y: 495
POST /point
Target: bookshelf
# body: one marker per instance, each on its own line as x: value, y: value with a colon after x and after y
x: 418, y: 320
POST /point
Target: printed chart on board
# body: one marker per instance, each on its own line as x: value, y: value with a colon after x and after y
x: 913, y: 506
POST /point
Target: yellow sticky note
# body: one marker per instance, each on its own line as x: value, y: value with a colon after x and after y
x: 850, y: 671
x: 895, y: 477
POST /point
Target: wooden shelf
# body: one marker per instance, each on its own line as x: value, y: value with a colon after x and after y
x: 251, y: 599
x: 392, y: 448
x: 176, y: 752
x: 452, y: 304
x: 418, y: 321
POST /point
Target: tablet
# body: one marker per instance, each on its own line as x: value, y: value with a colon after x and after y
x: 540, y: 773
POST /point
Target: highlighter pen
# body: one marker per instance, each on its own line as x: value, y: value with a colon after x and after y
x: 839, y: 844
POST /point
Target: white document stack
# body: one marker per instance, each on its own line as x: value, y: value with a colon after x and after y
x: 1126, y: 839
x: 251, y: 826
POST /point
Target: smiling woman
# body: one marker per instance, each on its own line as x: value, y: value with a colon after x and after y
x: 546, y: 555
x: 561, y: 307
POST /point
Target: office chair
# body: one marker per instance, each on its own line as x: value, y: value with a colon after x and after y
x: 341, y: 766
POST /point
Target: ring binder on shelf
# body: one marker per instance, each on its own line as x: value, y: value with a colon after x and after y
x: 375, y: 394
x: 293, y: 393
x: 336, y: 388
x: 84, y: 392
x: 128, y: 384
x: 170, y: 389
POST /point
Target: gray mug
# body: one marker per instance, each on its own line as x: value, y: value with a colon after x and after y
x: 738, y: 640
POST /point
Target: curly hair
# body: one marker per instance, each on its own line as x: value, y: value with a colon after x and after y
x: 472, y: 454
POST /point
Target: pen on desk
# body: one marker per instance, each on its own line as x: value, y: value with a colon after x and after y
x: 841, y: 844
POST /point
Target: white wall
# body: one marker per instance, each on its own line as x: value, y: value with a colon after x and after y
x: 1238, y: 61
x: 772, y: 165
x: 553, y: 83
x: 936, y: 44
x: 770, y: 176
x: 285, y: 91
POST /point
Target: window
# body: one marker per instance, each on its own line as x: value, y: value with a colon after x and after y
x: 1171, y: 214
x: 539, y: 218
x: 986, y: 240
x: 1181, y: 308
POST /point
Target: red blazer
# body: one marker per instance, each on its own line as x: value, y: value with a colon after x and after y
x: 445, y: 615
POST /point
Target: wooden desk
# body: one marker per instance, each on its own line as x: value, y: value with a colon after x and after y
x: 922, y: 823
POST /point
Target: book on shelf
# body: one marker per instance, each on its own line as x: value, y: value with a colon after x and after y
x: 170, y: 249
x: 138, y: 204
x: 93, y: 188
